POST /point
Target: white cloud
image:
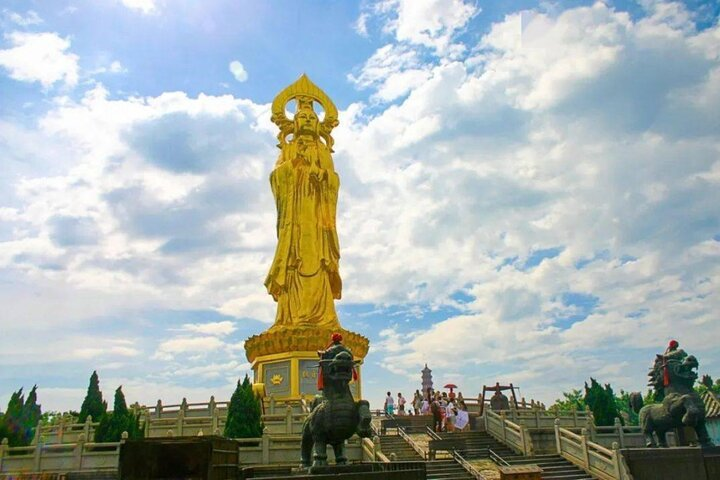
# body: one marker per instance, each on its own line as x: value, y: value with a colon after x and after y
x: 30, y: 18
x: 431, y: 23
x: 238, y: 71
x: 170, y: 348
x: 146, y: 7
x: 218, y: 329
x: 40, y: 57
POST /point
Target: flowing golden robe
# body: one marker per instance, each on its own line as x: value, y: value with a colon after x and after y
x: 304, y: 277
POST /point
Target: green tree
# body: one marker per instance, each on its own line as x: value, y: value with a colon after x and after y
x: 601, y: 401
x: 112, y: 425
x: 11, y: 426
x: 30, y: 416
x: 93, y: 404
x: 19, y: 421
x: 708, y: 385
x: 572, y: 400
x: 244, y: 413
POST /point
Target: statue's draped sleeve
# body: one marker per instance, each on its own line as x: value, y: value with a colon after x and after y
x: 281, y: 183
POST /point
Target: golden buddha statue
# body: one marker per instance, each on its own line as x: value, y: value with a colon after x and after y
x: 304, y: 279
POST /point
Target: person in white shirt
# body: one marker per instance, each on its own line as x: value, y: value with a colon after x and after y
x: 401, y: 404
x: 450, y: 417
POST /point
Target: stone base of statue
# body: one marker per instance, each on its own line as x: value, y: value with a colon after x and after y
x: 688, y: 463
x: 284, y: 359
x: 358, y: 471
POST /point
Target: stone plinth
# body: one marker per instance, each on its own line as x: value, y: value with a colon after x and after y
x: 521, y: 472
x: 284, y: 359
x: 686, y: 463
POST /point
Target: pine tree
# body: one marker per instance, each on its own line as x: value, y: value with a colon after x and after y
x: 244, y: 418
x: 30, y: 416
x: 601, y: 402
x: 93, y: 404
x: 121, y: 420
x: 12, y: 427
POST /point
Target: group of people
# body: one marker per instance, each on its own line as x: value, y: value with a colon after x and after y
x: 448, y: 410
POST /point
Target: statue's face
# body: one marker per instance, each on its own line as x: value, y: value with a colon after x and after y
x: 306, y: 122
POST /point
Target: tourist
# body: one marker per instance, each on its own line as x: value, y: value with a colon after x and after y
x: 417, y: 402
x: 435, y: 410
x: 389, y: 404
x: 449, y: 417
x: 442, y: 406
x: 462, y: 418
x: 401, y: 404
x: 425, y: 407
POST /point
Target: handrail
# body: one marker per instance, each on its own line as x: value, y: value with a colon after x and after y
x: 497, y: 459
x: 433, y: 434
x: 408, y: 439
x: 467, y: 465
x: 591, y: 457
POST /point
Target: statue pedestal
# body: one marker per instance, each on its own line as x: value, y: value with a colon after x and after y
x: 285, y: 360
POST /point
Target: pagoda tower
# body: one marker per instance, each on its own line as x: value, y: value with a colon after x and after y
x: 427, y: 382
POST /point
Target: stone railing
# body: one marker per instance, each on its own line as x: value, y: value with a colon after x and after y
x: 536, y: 418
x: 201, y: 409
x: 285, y: 421
x: 64, y: 432
x: 601, y: 462
x: 371, y: 450
x: 60, y: 458
x: 625, y: 436
x: 515, y: 436
x: 283, y: 449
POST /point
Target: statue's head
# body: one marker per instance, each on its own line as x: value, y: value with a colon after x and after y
x: 339, y: 368
x: 306, y: 120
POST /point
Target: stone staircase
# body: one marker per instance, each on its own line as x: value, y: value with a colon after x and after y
x: 554, y: 467
x: 446, y: 470
x: 478, y: 444
x: 397, y: 445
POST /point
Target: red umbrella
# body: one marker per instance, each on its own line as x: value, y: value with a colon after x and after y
x: 450, y: 386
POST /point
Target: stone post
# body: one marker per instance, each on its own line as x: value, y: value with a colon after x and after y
x: 36, y: 436
x: 3, y: 449
x: 376, y: 447
x: 180, y: 421
x: 212, y: 405
x: 265, y: 447
x: 170, y: 433
x: 537, y: 417
x: 288, y: 420
x: 146, y: 424
x: 184, y: 405
x: 61, y: 430
x: 575, y: 417
x: 158, y: 409
x: 37, y: 457
x: 215, y: 422
x: 617, y: 461
x: 272, y: 405
x: 78, y: 453
x: 502, y: 426
x: 86, y: 427
x: 584, y: 445
x: 558, y: 444
x: 620, y: 432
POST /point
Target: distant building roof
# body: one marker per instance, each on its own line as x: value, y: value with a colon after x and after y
x: 712, y: 405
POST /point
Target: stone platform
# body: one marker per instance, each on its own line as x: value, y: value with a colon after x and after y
x: 358, y: 471
x: 686, y: 463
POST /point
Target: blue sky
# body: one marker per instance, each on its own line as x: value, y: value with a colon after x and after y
x: 529, y: 192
